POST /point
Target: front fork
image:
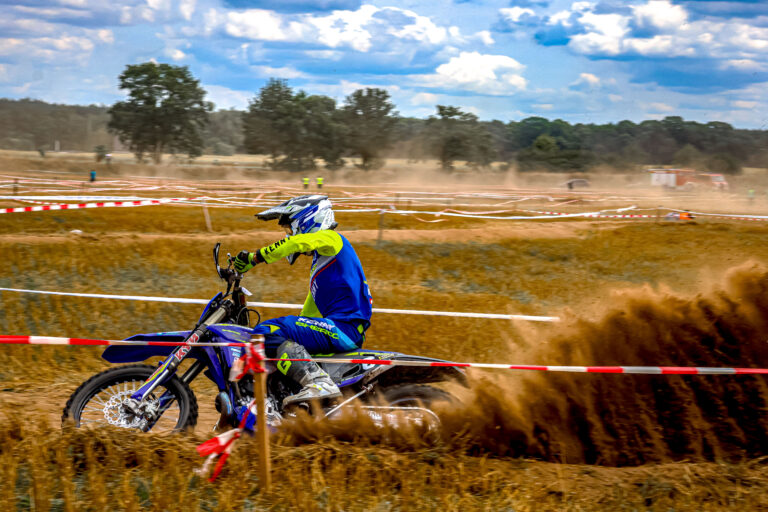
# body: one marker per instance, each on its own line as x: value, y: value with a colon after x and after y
x: 136, y: 405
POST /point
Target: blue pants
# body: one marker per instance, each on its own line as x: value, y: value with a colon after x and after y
x: 317, y: 335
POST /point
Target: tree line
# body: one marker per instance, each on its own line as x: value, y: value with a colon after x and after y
x: 165, y: 112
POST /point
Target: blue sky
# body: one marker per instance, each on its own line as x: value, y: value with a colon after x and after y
x: 582, y: 61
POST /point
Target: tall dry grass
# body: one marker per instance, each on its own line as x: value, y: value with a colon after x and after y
x: 44, y: 468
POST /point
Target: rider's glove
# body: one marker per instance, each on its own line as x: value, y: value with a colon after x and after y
x: 244, y: 261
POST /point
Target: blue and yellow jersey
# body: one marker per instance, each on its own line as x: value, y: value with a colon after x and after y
x: 337, y: 286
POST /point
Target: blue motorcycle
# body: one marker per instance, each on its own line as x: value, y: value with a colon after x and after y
x: 159, y: 398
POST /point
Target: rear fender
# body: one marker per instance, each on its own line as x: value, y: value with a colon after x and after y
x: 386, y: 375
x: 391, y: 375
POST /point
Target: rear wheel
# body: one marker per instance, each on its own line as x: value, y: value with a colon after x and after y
x: 98, y: 401
x: 414, y: 395
x: 411, y: 404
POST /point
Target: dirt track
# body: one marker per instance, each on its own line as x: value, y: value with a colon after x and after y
x: 634, y: 293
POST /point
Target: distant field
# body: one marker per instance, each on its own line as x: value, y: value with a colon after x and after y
x: 630, y: 291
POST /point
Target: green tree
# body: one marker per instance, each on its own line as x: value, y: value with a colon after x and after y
x: 546, y: 154
x: 269, y: 120
x: 370, y: 119
x: 724, y: 163
x: 101, y: 152
x: 325, y: 129
x: 166, y: 111
x: 223, y: 135
x: 687, y: 156
x: 293, y: 128
x: 456, y: 135
x: 545, y: 145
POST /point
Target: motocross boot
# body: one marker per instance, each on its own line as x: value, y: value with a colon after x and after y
x: 316, y: 383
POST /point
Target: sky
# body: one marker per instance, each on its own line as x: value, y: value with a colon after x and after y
x: 581, y: 61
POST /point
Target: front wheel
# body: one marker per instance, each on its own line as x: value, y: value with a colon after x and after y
x: 98, y: 401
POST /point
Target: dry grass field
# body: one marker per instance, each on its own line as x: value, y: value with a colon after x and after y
x: 630, y: 292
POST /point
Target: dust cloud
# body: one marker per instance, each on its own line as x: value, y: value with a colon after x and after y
x: 611, y: 419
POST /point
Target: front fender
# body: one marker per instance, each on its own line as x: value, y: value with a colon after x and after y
x: 138, y: 353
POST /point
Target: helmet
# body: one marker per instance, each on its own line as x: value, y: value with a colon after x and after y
x: 304, y: 214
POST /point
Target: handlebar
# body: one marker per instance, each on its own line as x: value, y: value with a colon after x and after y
x: 228, y: 274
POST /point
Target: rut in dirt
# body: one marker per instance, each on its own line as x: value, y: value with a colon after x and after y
x: 617, y: 420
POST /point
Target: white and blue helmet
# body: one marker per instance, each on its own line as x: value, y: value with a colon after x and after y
x: 305, y: 214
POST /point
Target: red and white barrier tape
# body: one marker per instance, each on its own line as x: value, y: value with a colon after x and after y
x: 593, y: 214
x: 109, y: 204
x: 629, y: 370
x: 370, y: 204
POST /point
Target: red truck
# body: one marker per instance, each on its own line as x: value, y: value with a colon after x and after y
x: 687, y: 179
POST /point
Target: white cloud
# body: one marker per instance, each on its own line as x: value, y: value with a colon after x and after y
x: 176, y: 54
x: 424, y: 98
x: 659, y: 107
x: 67, y: 48
x: 744, y: 65
x: 225, y: 98
x: 560, y: 18
x: 485, y: 74
x: 615, y: 98
x: 146, y: 14
x: 325, y: 54
x: 4, y: 76
x: 105, y: 36
x: 587, y: 79
x: 744, y: 104
x: 660, y: 45
x: 485, y: 37
x: 74, y: 3
x: 345, y: 88
x: 52, y: 12
x: 674, y: 34
x: 9, y: 46
x: 345, y: 28
x: 514, y: 14
x: 283, y: 72
x: 126, y: 15
x: 23, y: 88
x: 159, y: 5
x: 422, y: 29
x: 187, y: 8
x: 582, y: 6
x: 660, y: 14
x: 28, y: 27
x: 543, y: 106
x: 212, y: 20
x: 262, y: 25
x: 354, y: 29
x: 604, y: 36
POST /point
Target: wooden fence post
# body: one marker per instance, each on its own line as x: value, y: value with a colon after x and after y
x: 381, y: 227
x: 262, y: 432
x: 207, y: 218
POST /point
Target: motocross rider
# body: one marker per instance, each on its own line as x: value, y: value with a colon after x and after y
x: 337, y: 311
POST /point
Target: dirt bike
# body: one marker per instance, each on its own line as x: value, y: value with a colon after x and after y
x: 159, y: 398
